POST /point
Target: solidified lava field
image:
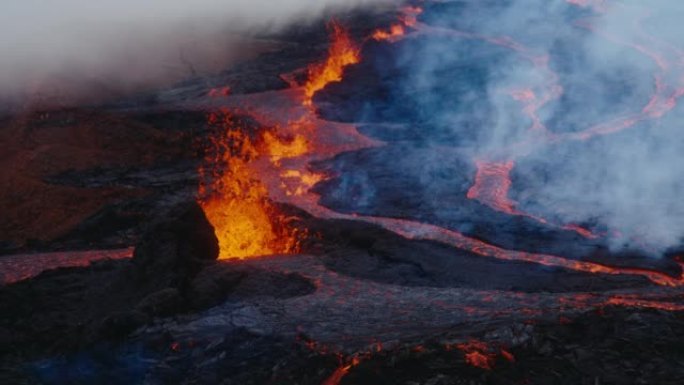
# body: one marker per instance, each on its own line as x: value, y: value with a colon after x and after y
x: 437, y: 192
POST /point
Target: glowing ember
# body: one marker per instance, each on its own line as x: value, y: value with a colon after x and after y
x: 336, y: 377
x: 508, y: 356
x: 341, y: 53
x: 477, y: 354
x: 297, y: 183
x: 234, y: 198
x: 479, y: 360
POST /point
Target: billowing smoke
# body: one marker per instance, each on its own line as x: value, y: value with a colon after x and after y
x: 580, y: 94
x: 121, y: 44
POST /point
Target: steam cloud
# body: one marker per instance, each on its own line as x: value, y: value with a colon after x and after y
x: 126, y: 42
x: 630, y: 183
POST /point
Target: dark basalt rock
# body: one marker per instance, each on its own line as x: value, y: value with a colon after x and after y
x: 212, y: 285
x: 617, y: 346
x: 120, y: 324
x: 163, y: 302
x: 70, y: 308
x: 366, y: 251
x: 174, y: 270
x: 175, y: 248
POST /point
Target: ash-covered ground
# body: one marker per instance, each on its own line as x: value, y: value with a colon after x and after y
x: 407, y: 275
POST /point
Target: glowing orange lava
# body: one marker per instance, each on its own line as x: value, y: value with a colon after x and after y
x: 234, y: 198
x: 234, y: 191
x: 341, y: 53
x: 477, y: 354
x: 279, y: 148
x: 479, y: 360
x: 336, y: 377
x: 407, y: 19
x: 642, y: 303
x: 297, y: 183
x: 395, y: 30
x: 491, y: 186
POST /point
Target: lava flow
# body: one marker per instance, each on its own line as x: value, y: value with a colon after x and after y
x: 234, y: 192
x: 481, y: 355
x: 408, y: 19
x: 341, y: 53
x: 491, y: 186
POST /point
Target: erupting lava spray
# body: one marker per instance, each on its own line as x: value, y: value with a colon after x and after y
x: 234, y: 198
x: 245, y: 165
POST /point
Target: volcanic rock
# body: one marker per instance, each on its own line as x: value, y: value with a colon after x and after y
x: 70, y: 308
x: 120, y: 324
x: 163, y: 302
x: 212, y: 285
x: 175, y: 247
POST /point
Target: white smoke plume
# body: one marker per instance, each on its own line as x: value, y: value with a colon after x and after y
x: 620, y: 64
x: 123, y: 43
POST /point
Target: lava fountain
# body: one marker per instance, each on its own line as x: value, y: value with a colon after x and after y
x: 232, y: 195
x: 243, y: 158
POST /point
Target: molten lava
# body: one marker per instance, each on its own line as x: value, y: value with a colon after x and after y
x: 280, y: 148
x: 479, y: 360
x: 336, y: 377
x: 395, y: 30
x: 407, y: 19
x: 341, y: 53
x: 477, y: 353
x: 491, y: 186
x: 237, y: 183
x: 233, y: 197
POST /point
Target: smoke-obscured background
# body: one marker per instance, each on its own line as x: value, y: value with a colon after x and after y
x: 606, y: 61
x: 80, y: 49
